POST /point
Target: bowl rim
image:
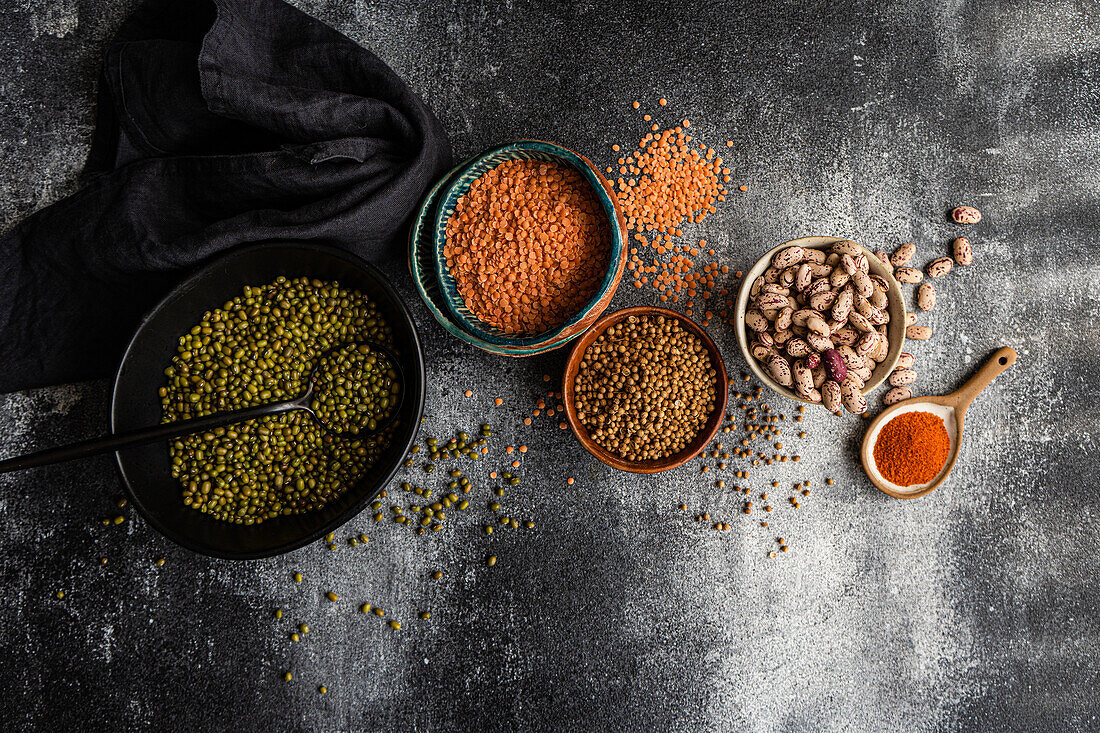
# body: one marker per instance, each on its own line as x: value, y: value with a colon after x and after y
x: 188, y: 283
x: 457, y: 185
x: 701, y: 440
x: 820, y: 241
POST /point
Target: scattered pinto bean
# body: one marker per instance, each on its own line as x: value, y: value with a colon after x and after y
x: 910, y: 275
x: 966, y: 215
x: 905, y: 360
x: 918, y: 333
x: 902, y: 377
x: 964, y: 253
x: 903, y: 254
x: 940, y: 267
x: 926, y: 296
x: 897, y: 394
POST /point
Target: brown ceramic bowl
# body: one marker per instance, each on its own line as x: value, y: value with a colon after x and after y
x: 895, y: 331
x: 654, y: 466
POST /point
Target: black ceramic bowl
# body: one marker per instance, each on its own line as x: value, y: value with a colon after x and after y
x: 135, y: 403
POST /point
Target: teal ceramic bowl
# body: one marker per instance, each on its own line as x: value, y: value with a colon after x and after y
x: 458, y: 183
x: 422, y: 269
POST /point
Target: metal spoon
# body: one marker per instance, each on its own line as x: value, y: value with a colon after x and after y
x: 166, y: 431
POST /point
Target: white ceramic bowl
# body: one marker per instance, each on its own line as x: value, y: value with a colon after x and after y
x: 895, y: 330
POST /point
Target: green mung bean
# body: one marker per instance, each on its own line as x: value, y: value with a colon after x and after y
x: 261, y: 347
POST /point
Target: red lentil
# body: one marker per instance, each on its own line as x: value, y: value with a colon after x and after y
x: 528, y: 245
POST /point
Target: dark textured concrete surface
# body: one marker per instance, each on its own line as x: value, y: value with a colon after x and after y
x: 975, y: 608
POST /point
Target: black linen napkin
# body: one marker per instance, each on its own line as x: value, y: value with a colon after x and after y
x: 219, y: 123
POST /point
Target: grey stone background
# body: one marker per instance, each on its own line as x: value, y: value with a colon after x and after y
x: 975, y: 608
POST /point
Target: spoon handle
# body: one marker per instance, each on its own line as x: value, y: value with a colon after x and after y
x: 1001, y: 360
x: 143, y: 436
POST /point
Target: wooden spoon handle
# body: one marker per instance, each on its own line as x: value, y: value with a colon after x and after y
x: 1001, y: 360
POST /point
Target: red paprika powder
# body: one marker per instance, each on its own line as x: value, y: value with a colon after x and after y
x: 912, y: 448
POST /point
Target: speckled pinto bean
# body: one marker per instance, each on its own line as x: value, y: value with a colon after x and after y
x: 823, y: 301
x: 817, y: 325
x: 755, y: 320
x: 966, y: 215
x: 861, y: 322
x: 819, y: 304
x: 798, y: 348
x: 771, y: 301
x: 838, y: 278
x: 851, y: 397
x: 926, y: 296
x: 902, y: 377
x: 909, y: 275
x: 879, y: 298
x: 780, y: 370
x: 842, y: 306
x: 903, y: 254
x: 787, y: 257
x: 897, y: 394
x: 830, y: 396
x: 964, y: 253
x: 939, y: 267
x: 845, y: 336
x: 783, y: 319
x: 818, y: 342
x: 847, y: 247
x: 867, y: 343
x: 918, y: 333
x: 803, y: 277
x: 863, y: 284
x: 803, y: 379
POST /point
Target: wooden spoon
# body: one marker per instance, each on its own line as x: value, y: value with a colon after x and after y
x: 951, y: 408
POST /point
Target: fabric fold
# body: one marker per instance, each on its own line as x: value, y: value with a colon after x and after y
x: 219, y: 123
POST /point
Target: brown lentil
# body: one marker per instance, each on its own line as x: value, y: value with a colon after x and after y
x: 645, y: 388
